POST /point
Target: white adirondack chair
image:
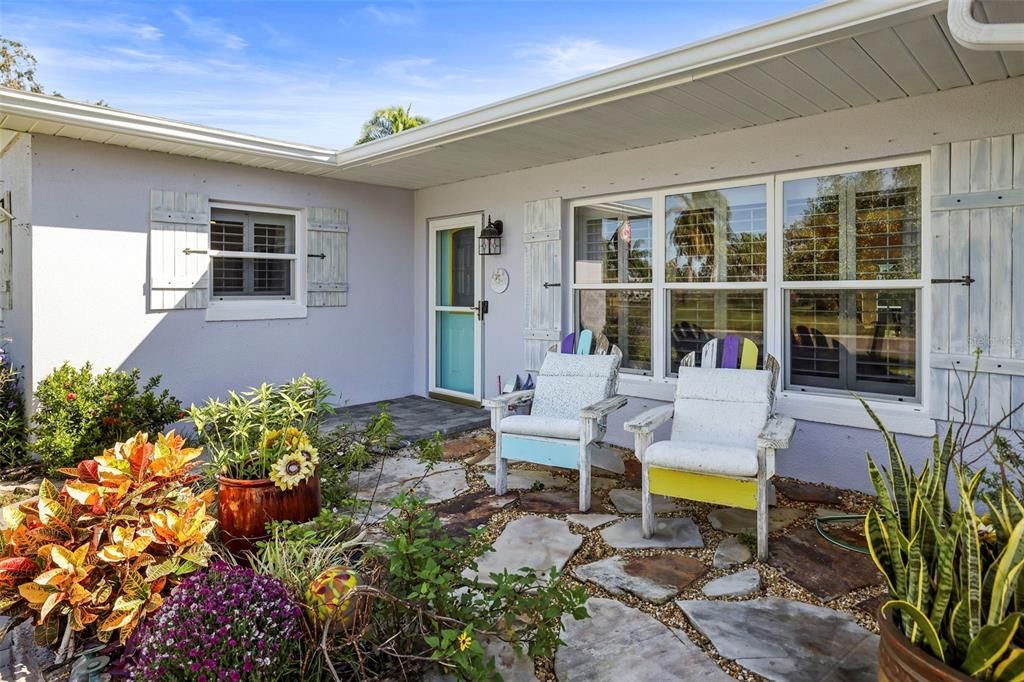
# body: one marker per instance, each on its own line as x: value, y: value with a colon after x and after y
x: 571, y: 403
x: 723, y: 443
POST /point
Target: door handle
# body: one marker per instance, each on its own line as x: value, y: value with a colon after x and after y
x: 481, y: 309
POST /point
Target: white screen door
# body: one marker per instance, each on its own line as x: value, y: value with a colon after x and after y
x: 456, y: 328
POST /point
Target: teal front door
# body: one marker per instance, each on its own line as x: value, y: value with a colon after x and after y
x: 455, y: 292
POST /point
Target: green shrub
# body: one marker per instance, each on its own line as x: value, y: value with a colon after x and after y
x: 13, y: 434
x: 81, y: 413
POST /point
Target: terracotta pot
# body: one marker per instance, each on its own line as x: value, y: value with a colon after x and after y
x: 245, y: 507
x: 901, y: 661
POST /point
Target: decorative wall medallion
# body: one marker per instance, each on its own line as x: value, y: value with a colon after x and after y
x: 499, y: 280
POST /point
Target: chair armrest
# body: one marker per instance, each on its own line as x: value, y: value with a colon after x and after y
x: 508, y: 399
x: 777, y: 433
x: 647, y: 421
x: 603, y: 408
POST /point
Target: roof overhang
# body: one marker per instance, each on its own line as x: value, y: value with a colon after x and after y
x: 837, y: 55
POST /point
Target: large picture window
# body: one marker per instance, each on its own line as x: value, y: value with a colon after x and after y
x: 822, y: 270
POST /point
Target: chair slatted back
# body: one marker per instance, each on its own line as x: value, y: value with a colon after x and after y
x: 734, y: 352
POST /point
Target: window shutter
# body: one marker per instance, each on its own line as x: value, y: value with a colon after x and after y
x: 542, y: 248
x: 327, y: 261
x: 978, y: 230
x: 179, y: 242
x: 6, y: 255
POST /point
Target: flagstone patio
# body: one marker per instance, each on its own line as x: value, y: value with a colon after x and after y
x: 687, y: 604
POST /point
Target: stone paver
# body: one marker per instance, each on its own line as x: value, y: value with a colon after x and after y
x: 398, y: 474
x: 415, y: 417
x: 821, y: 568
x: 617, y: 643
x: 787, y: 641
x: 674, y: 533
x: 526, y: 479
x: 871, y: 605
x: 807, y: 492
x: 736, y: 521
x: 628, y: 502
x: 730, y: 552
x: 550, y: 502
x: 533, y: 542
x: 460, y: 448
x: 471, y: 511
x: 592, y: 520
x: 602, y: 483
x: 734, y: 585
x: 655, y: 579
x: 513, y: 666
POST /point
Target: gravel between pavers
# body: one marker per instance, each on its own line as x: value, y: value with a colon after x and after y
x: 773, y: 582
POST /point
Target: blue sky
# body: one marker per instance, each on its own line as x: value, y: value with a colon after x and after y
x: 312, y: 72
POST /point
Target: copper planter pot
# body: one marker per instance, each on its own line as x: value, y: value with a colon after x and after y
x: 245, y: 508
x: 901, y: 661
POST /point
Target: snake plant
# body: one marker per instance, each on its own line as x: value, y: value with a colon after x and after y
x: 954, y: 575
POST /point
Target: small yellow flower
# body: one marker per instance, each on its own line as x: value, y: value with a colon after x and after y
x: 290, y: 470
x: 464, y: 641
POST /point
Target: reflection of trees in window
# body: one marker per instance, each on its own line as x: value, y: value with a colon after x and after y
x: 713, y: 238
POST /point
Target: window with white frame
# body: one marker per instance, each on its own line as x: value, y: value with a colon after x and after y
x: 822, y: 270
x: 253, y: 255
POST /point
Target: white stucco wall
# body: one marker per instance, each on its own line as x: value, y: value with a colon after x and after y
x: 908, y: 126
x: 16, y: 174
x: 91, y: 224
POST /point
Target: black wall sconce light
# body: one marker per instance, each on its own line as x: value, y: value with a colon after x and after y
x: 490, y: 238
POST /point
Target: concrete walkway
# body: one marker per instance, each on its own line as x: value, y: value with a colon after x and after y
x: 415, y: 417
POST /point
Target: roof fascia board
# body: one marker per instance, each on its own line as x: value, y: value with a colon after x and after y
x: 66, y: 112
x: 814, y: 26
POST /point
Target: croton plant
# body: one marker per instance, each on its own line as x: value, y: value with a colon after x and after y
x: 99, y: 553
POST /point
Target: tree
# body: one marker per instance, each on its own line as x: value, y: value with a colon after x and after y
x: 388, y: 121
x: 17, y: 67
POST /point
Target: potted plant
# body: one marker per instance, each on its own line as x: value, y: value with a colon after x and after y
x: 953, y: 568
x: 260, y: 444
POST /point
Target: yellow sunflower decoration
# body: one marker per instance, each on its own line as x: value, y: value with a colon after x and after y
x: 292, y: 469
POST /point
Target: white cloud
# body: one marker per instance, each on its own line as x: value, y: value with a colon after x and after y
x: 209, y: 30
x: 568, y: 58
x: 392, y: 16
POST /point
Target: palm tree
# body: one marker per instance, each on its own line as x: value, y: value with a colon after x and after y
x: 388, y: 121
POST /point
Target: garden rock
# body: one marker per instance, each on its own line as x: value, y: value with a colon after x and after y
x: 550, y: 502
x: 823, y: 569
x: 527, y: 479
x: 807, y: 492
x: 536, y: 543
x: 460, y: 448
x: 736, y: 521
x: 628, y: 502
x: 736, y: 585
x: 674, y: 533
x: 461, y: 514
x: 592, y: 521
x: 655, y: 579
x: 787, y: 641
x: 617, y: 643
x: 730, y: 552
x: 401, y: 474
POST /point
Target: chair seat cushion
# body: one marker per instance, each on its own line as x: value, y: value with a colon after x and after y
x: 706, y: 458
x: 545, y: 427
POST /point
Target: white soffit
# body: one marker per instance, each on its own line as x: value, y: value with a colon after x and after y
x: 833, y: 56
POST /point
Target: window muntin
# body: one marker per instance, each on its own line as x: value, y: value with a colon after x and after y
x: 864, y: 225
x: 697, y: 316
x: 862, y: 340
x: 717, y: 235
x: 249, y: 238
x: 613, y: 242
x: 624, y: 316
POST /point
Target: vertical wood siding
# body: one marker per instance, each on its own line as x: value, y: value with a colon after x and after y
x: 542, y: 249
x: 978, y: 230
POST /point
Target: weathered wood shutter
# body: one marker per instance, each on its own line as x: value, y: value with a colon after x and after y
x: 179, y: 242
x: 978, y: 231
x: 327, y: 264
x: 6, y: 251
x: 542, y: 277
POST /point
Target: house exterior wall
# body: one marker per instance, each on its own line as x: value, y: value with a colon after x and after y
x: 820, y: 452
x: 16, y: 176
x: 91, y: 227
